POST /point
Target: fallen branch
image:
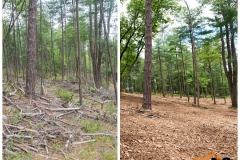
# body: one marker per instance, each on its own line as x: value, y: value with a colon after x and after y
x: 64, y: 114
x: 44, y: 99
x: 62, y: 109
x: 92, y: 140
x: 29, y: 147
x: 46, y: 147
x: 60, y: 126
x: 23, y: 128
x: 21, y: 147
x: 99, y: 134
x: 32, y: 114
x: 8, y: 100
x: 20, y: 89
x: 13, y: 93
x: 70, y: 137
x: 47, y: 157
x: 6, y: 127
x: 19, y: 136
x: 9, y: 152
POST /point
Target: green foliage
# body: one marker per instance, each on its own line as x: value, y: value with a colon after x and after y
x: 20, y: 156
x: 39, y: 126
x: 89, y: 152
x: 110, y: 108
x: 16, y: 117
x: 132, y: 31
x: 91, y: 126
x: 109, y: 155
x: 64, y: 95
x: 57, y: 146
x: 92, y: 89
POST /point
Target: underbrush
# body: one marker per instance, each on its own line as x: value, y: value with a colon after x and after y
x: 64, y: 95
x: 90, y: 126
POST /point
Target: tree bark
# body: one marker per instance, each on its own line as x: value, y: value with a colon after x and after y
x: 195, y: 68
x: 66, y: 41
x: 62, y: 47
x: 108, y: 50
x: 79, y: 55
x: 148, y: 57
x: 161, y: 72
x: 31, y: 70
x: 212, y: 82
x: 41, y: 44
x: 179, y: 79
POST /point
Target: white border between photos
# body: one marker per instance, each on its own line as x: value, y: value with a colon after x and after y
x: 118, y: 77
x: 1, y: 78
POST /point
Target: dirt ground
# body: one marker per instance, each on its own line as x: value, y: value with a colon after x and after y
x: 176, y: 130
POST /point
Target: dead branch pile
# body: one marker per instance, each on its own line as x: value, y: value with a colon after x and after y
x: 32, y: 126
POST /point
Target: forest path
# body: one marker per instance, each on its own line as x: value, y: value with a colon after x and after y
x: 176, y: 130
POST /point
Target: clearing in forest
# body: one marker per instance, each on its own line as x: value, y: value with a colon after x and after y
x: 176, y: 130
x: 54, y: 126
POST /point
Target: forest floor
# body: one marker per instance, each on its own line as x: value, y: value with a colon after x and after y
x: 54, y: 126
x: 175, y: 129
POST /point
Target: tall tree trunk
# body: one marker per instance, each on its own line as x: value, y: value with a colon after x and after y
x: 41, y: 50
x: 179, y: 79
x: 212, y: 82
x: 231, y: 73
x: 79, y: 55
x: 85, y: 62
x: 148, y: 56
x: 66, y: 41
x: 15, y: 46
x: 108, y: 50
x: 106, y: 68
x: 20, y: 63
x: 6, y: 60
x: 31, y: 70
x: 75, y: 41
x: 223, y: 88
x: 52, y: 51
x: 161, y: 72
x: 91, y: 43
x: 62, y: 47
x: 170, y: 80
x: 195, y: 68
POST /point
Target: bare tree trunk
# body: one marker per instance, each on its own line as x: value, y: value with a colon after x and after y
x: 148, y: 56
x: 62, y: 47
x: 20, y: 51
x: 79, y: 55
x: 231, y: 73
x: 6, y: 61
x: 75, y: 42
x: 85, y: 62
x: 15, y: 47
x: 170, y: 81
x: 31, y: 70
x: 41, y: 44
x: 66, y: 41
x: 179, y: 79
x: 212, y: 82
x: 223, y: 88
x: 161, y: 72
x: 195, y: 68
x: 52, y: 51
x: 108, y: 50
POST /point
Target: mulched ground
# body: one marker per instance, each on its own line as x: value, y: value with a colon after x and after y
x: 176, y: 130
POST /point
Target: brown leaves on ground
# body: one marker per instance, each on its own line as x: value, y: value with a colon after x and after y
x: 175, y: 130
